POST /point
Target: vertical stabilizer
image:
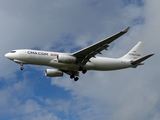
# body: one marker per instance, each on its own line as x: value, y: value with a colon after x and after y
x: 136, y: 52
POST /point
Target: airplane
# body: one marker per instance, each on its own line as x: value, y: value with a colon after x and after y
x: 82, y: 60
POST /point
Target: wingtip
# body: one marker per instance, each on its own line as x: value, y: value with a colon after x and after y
x: 126, y: 30
x: 152, y: 54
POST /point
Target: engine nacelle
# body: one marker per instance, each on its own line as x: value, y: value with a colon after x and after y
x: 53, y: 73
x: 66, y: 59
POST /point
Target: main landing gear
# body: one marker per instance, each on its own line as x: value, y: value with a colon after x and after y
x: 21, y: 68
x: 83, y: 70
x: 80, y: 69
x: 75, y: 78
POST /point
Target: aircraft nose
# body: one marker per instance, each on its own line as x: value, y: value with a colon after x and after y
x: 7, y: 55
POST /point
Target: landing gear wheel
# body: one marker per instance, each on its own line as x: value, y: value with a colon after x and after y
x: 21, y: 66
x: 84, y: 71
x: 76, y: 79
x: 72, y: 76
x: 80, y: 68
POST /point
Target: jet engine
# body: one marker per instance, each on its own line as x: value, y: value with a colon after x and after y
x: 53, y: 73
x: 66, y: 59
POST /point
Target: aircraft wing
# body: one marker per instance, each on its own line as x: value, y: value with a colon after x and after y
x: 76, y: 73
x: 85, y: 54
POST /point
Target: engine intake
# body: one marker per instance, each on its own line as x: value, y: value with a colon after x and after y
x: 66, y: 59
x: 53, y: 73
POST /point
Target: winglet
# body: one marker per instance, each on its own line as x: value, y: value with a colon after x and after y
x: 141, y: 59
x: 126, y: 30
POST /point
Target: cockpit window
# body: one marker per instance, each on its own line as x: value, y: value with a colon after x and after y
x: 12, y: 51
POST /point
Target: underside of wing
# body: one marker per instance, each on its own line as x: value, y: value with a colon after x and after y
x: 85, y: 54
x: 75, y: 73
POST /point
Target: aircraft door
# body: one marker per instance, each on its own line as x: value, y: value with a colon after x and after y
x: 22, y: 55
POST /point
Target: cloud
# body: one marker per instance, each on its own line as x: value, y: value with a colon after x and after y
x: 18, y: 102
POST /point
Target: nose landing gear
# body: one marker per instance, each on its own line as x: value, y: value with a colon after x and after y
x: 21, y: 68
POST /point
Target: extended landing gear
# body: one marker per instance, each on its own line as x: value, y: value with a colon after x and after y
x: 79, y: 69
x: 83, y: 70
x: 21, y: 68
x: 75, y: 78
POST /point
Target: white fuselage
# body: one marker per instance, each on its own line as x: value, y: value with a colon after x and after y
x: 36, y: 57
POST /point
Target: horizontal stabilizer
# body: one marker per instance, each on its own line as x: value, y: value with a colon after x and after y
x: 141, y: 59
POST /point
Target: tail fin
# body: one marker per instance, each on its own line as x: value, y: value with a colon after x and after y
x: 136, y: 52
